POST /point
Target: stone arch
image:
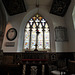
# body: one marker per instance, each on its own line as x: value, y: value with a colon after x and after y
x: 3, y: 21
x: 43, y: 13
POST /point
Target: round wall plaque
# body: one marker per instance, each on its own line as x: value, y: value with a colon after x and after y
x: 11, y: 34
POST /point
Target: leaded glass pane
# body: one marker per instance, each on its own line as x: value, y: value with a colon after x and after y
x: 27, y: 36
x: 34, y: 26
x: 33, y: 42
x: 43, y: 21
x: 37, y: 15
x: 40, y: 18
x: 26, y: 43
x: 37, y: 21
x: 40, y: 44
x: 47, y: 43
x: 31, y: 21
x: 40, y: 37
x: 27, y: 26
x: 34, y: 18
x: 42, y: 40
x: 33, y: 36
x: 46, y: 25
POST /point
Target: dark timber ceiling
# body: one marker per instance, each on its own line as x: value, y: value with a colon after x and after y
x: 59, y: 7
x: 14, y: 6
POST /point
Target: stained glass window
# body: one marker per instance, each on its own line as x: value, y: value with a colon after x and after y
x: 40, y: 37
x: 33, y: 36
x: 27, y: 36
x: 37, y: 34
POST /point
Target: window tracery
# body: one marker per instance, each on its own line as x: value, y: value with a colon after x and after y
x: 37, y: 24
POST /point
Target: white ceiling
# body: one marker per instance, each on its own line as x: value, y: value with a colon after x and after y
x: 41, y: 2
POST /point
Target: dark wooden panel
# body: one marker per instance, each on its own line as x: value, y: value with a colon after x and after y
x: 28, y: 69
x: 11, y: 69
x: 59, y: 7
x: 14, y: 6
x: 52, y: 57
x: 1, y: 56
x: 71, y: 67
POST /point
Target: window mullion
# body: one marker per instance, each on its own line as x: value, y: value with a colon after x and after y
x: 30, y: 37
x: 36, y: 37
x: 43, y: 40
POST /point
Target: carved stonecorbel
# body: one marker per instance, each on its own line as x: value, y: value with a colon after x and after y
x: 33, y: 70
x: 61, y: 34
x: 24, y: 69
x: 53, y: 57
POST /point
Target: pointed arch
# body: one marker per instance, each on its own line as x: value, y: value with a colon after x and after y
x: 37, y: 34
x: 29, y: 14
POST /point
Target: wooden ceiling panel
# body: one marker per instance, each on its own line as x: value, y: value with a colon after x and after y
x: 14, y: 6
x: 59, y: 7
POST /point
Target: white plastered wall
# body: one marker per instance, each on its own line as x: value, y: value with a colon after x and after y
x: 59, y: 21
x: 70, y: 27
x: 13, y: 22
x: 19, y: 21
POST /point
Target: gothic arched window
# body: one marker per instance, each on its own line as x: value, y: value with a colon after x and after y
x: 37, y: 34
